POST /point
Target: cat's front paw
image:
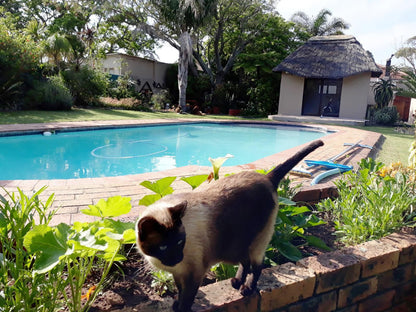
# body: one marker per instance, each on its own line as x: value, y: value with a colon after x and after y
x: 176, y: 308
x: 236, y: 283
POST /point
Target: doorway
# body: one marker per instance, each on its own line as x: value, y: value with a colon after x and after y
x: 322, y: 97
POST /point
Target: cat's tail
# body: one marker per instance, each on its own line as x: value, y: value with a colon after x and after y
x: 278, y: 173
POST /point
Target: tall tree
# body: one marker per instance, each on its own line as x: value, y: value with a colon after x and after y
x: 173, y: 21
x: 319, y: 25
x: 254, y: 65
x: 217, y: 30
x: 186, y: 16
x: 408, y: 53
x: 236, y: 24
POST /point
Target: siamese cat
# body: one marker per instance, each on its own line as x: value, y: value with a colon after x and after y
x: 231, y: 219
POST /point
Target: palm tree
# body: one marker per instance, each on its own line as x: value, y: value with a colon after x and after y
x: 320, y: 25
x: 410, y: 85
x: 383, y: 92
x: 57, y: 48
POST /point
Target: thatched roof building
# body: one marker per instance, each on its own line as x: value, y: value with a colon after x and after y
x: 327, y: 77
x: 330, y: 57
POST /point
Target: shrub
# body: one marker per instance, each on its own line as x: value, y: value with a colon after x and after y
x: 85, y: 84
x: 159, y: 100
x: 386, y: 115
x: 44, y: 268
x: 51, y: 94
x: 373, y: 202
x: 78, y: 249
x: 125, y: 103
x: 19, y: 55
x: 123, y: 87
x: 20, y: 289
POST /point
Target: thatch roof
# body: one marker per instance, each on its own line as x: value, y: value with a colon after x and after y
x: 331, y: 57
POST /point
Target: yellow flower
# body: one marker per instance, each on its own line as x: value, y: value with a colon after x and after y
x: 383, y: 172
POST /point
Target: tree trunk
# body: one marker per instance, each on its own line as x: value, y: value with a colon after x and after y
x: 185, y: 55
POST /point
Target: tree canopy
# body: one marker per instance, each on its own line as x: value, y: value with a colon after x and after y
x: 319, y: 25
x: 234, y: 42
x: 408, y: 53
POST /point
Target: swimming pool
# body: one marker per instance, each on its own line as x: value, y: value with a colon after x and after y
x: 123, y: 151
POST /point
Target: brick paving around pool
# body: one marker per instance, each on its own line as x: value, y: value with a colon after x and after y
x: 73, y: 195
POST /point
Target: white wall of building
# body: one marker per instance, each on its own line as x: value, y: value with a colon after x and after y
x: 140, y: 70
x: 354, y: 96
x: 291, y: 95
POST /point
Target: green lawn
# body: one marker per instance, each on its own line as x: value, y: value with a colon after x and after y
x: 395, y: 147
x: 81, y: 114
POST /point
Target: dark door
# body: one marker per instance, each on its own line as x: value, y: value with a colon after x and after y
x: 322, y: 97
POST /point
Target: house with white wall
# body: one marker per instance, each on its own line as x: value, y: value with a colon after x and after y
x: 149, y: 75
x: 328, y: 77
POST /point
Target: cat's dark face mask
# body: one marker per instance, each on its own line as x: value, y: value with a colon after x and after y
x: 170, y: 251
x: 165, y: 243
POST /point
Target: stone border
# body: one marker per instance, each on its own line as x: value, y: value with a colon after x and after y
x: 378, y: 275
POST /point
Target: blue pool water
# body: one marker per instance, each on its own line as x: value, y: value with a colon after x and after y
x: 123, y: 151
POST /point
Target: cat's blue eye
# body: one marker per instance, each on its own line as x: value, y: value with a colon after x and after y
x: 163, y: 248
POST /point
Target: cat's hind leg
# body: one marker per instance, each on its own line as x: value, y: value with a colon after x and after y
x: 241, y: 275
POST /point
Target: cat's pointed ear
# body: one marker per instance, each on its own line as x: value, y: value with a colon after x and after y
x: 146, y: 226
x: 178, y: 211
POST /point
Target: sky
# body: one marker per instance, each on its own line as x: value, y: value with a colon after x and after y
x: 381, y: 26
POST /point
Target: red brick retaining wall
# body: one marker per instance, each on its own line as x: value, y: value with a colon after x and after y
x: 374, y: 276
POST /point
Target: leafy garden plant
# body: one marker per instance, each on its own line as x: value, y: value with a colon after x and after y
x: 20, y: 290
x: 291, y: 224
x: 373, y: 202
x: 44, y: 268
x: 77, y: 248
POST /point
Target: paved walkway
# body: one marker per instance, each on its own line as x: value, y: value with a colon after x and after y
x: 75, y: 194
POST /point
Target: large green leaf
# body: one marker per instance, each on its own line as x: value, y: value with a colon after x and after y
x: 317, y: 242
x: 87, y: 241
x: 195, y: 181
x: 50, y: 245
x: 112, y: 207
x: 118, y: 230
x: 161, y: 187
x: 313, y: 220
x: 286, y: 201
x: 295, y: 210
x: 149, y: 199
x: 112, y: 249
x: 129, y: 236
x: 289, y: 250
